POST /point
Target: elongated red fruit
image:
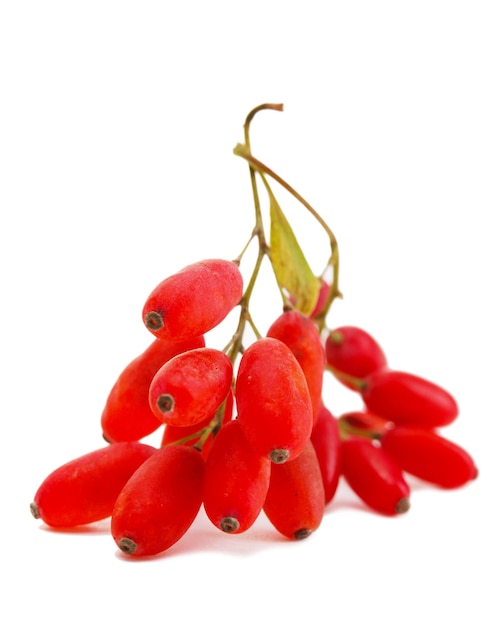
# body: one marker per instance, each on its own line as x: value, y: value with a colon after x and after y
x: 374, y: 476
x: 405, y: 398
x: 127, y: 415
x: 352, y: 351
x: 326, y: 440
x: 301, y: 335
x: 236, y: 481
x: 160, y: 502
x: 85, y: 489
x: 273, y: 400
x: 194, y: 300
x: 295, y: 502
x: 429, y: 456
x: 191, y: 386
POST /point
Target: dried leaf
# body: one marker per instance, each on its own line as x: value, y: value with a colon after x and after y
x: 291, y: 268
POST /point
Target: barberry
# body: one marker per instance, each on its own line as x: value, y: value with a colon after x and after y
x: 405, y: 398
x: 127, y: 415
x: 326, y: 440
x: 301, y: 335
x: 273, y: 400
x: 428, y: 455
x: 236, y: 481
x: 295, y: 501
x: 189, y: 388
x: 160, y: 501
x: 194, y: 300
x: 374, y: 476
x: 85, y: 489
x: 353, y: 352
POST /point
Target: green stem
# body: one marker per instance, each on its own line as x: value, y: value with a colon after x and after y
x: 244, y: 152
x: 235, y: 345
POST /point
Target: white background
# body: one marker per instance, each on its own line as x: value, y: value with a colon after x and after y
x: 117, y: 125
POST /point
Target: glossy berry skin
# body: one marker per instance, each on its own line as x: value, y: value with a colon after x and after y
x: 194, y: 300
x: 352, y: 351
x: 429, y: 456
x: 85, y: 489
x: 404, y: 398
x: 273, y: 400
x: 374, y: 476
x: 326, y: 440
x: 191, y: 386
x: 236, y: 481
x: 127, y: 415
x: 295, y: 502
x: 160, y: 502
x: 174, y: 434
x: 301, y: 335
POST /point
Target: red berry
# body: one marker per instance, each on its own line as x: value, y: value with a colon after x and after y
x: 352, y: 351
x: 374, y: 476
x: 160, y: 502
x: 236, y: 481
x: 405, y: 398
x: 84, y: 490
x: 191, y: 386
x: 301, y: 335
x: 295, y: 502
x: 326, y: 440
x: 127, y: 415
x: 429, y: 456
x: 194, y: 300
x: 273, y: 400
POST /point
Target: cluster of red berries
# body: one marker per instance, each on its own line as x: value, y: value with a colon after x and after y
x: 244, y: 428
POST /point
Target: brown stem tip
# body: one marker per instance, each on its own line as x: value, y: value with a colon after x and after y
x: 402, y: 506
x: 154, y: 320
x: 302, y: 533
x: 279, y: 455
x: 165, y: 403
x: 127, y: 545
x: 229, y: 524
x: 35, y: 511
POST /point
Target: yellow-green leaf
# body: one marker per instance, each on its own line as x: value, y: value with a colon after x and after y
x: 291, y: 268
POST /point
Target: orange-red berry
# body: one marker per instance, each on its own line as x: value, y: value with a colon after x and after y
x: 273, y: 400
x: 405, y: 398
x: 326, y: 440
x: 194, y: 300
x: 301, y: 335
x: 85, y: 489
x: 160, y: 501
x: 374, y: 476
x: 429, y: 456
x: 295, y: 502
x: 236, y: 481
x: 191, y: 386
x: 127, y: 415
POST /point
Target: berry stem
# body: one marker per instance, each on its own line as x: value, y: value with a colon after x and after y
x: 257, y: 165
x: 234, y: 348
